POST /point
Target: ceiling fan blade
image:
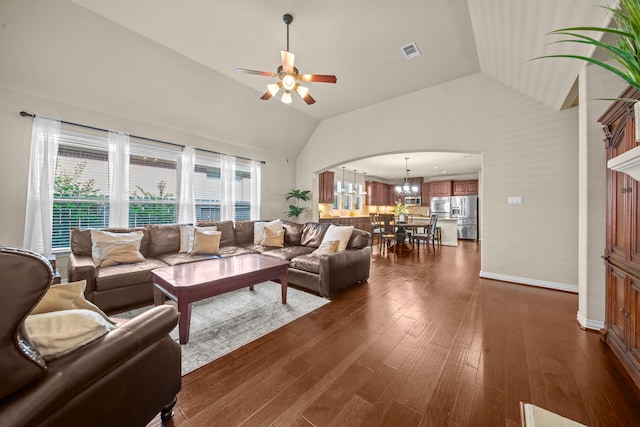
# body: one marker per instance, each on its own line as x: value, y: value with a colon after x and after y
x: 319, y: 78
x: 308, y: 99
x: 287, y: 60
x: 304, y: 94
x: 266, y: 96
x: 259, y: 73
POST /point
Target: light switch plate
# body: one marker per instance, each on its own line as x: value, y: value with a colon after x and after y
x: 514, y: 200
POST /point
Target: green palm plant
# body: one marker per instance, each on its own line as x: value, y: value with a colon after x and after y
x: 296, y: 210
x: 626, y: 51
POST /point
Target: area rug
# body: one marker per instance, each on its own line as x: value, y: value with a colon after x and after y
x: 226, y: 322
x: 534, y: 416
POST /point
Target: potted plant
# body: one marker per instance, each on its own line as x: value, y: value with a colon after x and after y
x: 296, y: 210
x: 400, y: 211
x: 626, y: 51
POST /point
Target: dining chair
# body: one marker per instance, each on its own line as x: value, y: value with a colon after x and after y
x: 429, y: 235
x: 388, y: 235
x: 376, y: 227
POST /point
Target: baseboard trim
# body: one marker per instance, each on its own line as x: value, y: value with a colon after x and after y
x: 585, y: 323
x: 530, y: 282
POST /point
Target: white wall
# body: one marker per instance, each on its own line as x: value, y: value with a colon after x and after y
x: 595, y: 84
x: 528, y: 149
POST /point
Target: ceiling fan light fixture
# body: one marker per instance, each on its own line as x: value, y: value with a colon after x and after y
x: 288, y: 82
x: 302, y: 91
x: 273, y: 88
x: 286, y: 97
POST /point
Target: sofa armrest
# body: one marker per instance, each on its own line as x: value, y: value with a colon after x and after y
x: 81, y: 267
x: 95, y: 384
x: 340, y: 270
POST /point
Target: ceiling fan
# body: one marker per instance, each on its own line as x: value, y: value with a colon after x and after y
x: 289, y: 75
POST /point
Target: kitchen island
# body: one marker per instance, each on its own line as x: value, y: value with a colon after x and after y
x: 448, y: 228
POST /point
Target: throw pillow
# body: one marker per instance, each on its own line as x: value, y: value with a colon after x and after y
x: 59, y: 332
x: 326, y: 247
x: 272, y: 238
x: 66, y: 296
x: 115, y: 248
x: 342, y: 233
x: 206, y: 242
x: 186, y: 236
x: 259, y: 226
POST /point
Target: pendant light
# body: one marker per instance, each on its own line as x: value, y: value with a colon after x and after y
x: 406, y: 189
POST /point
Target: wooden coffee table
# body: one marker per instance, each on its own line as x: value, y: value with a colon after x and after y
x: 187, y: 283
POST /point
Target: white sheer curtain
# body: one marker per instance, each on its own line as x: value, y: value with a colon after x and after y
x: 45, y: 136
x: 118, y: 179
x: 256, y: 185
x: 228, y: 178
x: 186, y: 187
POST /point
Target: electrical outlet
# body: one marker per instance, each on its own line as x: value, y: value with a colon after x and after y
x: 514, y: 200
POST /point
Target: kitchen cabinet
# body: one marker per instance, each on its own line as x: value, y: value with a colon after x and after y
x: 325, y: 184
x: 621, y: 329
x: 465, y: 188
x: 375, y: 193
x: 426, y: 194
x: 393, y: 196
x: 359, y: 222
x: 416, y: 182
x: 440, y: 188
x: 380, y: 194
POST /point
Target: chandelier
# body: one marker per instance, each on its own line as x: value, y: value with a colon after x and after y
x: 406, y: 189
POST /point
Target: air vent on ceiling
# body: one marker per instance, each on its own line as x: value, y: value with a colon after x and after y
x: 411, y: 51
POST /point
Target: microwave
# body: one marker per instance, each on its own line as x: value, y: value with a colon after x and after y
x: 413, y: 200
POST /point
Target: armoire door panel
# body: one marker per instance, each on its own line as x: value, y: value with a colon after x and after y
x: 617, y: 304
x: 634, y: 329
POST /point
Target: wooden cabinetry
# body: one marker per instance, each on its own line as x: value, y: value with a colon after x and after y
x: 359, y: 222
x: 465, y: 188
x: 380, y: 194
x: 377, y: 193
x: 426, y: 194
x: 622, y: 252
x: 325, y: 184
x: 440, y: 188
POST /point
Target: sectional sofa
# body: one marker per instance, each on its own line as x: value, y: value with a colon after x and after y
x: 123, y: 286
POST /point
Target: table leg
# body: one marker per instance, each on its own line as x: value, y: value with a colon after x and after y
x: 283, y: 284
x: 184, y: 324
x: 158, y: 296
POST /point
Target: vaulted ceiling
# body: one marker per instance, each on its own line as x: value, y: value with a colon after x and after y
x: 194, y: 46
x: 361, y: 42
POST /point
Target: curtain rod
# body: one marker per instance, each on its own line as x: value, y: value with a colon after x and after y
x: 25, y: 114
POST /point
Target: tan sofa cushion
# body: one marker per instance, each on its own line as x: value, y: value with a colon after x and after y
x: 206, y: 242
x: 81, y: 239
x: 66, y: 296
x: 226, y: 228
x: 115, y: 248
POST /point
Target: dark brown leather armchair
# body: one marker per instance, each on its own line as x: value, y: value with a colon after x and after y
x: 123, y: 378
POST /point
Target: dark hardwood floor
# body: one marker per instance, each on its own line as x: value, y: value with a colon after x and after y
x: 425, y: 342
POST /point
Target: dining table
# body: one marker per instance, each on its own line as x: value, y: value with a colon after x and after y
x: 401, y: 229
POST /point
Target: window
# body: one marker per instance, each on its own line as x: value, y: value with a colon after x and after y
x: 81, y: 188
x: 357, y: 203
x: 346, y: 202
x: 153, y: 196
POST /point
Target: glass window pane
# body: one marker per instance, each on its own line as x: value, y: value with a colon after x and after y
x: 152, y: 185
x: 81, y: 186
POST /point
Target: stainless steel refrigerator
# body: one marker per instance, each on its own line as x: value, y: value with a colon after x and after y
x: 465, y: 208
